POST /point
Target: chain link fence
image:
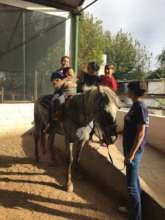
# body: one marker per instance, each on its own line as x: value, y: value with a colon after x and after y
x: 31, y: 45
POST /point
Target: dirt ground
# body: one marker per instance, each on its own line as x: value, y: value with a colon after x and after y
x: 34, y: 192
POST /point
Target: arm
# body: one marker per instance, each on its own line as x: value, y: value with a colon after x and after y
x: 114, y: 84
x: 80, y: 82
x: 138, y: 140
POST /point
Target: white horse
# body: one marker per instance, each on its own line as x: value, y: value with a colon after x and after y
x: 99, y: 104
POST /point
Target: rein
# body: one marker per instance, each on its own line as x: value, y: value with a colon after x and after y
x: 107, y: 146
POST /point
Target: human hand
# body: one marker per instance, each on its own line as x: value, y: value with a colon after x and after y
x: 129, y: 158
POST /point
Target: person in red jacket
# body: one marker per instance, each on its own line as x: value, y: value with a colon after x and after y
x: 108, y: 79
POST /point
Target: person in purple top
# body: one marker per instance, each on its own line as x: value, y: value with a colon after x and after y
x: 135, y: 130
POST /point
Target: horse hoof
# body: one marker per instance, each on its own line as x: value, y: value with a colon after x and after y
x: 69, y: 188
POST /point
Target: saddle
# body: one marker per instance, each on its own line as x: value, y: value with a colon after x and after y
x: 59, y: 115
x: 46, y: 100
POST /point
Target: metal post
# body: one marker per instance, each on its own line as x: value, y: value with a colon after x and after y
x: 24, y: 55
x: 35, y: 85
x: 2, y: 94
x: 75, y: 41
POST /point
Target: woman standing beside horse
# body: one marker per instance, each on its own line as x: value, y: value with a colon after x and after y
x: 134, y: 139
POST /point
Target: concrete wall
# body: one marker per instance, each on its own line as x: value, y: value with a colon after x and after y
x: 156, y: 87
x: 157, y: 132
x: 15, y: 118
x: 19, y: 117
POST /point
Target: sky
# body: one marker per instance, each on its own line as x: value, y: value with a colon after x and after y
x: 144, y: 19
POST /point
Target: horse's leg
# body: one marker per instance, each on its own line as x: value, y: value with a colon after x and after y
x: 92, y: 133
x: 43, y: 142
x: 51, y: 137
x: 36, y: 139
x: 79, y: 147
x: 69, y: 184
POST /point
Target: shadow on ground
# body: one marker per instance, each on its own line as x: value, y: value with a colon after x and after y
x: 14, y: 199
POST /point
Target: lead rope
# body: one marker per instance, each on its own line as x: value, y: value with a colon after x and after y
x: 107, y: 146
x: 110, y: 157
x: 99, y: 137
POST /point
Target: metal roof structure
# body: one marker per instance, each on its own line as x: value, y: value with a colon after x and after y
x: 68, y: 5
x: 41, y: 31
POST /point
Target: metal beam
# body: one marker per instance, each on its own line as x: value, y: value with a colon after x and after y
x: 54, y: 4
x: 35, y: 7
x: 75, y: 41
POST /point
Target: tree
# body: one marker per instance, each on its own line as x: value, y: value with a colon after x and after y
x: 91, y: 41
x: 130, y: 58
x: 161, y: 59
x: 156, y: 74
x: 160, y: 71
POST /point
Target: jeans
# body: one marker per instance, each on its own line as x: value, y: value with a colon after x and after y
x: 133, y: 186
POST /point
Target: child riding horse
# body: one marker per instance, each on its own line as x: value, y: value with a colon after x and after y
x: 65, y: 87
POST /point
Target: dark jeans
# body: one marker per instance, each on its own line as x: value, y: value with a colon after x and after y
x: 133, y: 186
x: 56, y: 105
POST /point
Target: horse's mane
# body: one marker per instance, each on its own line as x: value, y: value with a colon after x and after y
x: 92, y: 92
x: 87, y: 102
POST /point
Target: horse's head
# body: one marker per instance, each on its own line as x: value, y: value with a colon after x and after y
x: 108, y: 105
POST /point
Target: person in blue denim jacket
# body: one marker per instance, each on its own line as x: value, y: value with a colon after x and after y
x: 135, y: 130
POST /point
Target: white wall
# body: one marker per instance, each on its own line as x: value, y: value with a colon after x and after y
x: 156, y: 87
x: 15, y: 118
x: 19, y: 118
x: 156, y: 134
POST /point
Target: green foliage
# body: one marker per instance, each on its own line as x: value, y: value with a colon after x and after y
x: 91, y: 41
x: 161, y: 59
x: 130, y: 58
x: 156, y: 74
x: 122, y: 52
x: 160, y: 72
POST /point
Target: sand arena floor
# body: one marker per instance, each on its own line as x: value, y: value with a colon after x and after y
x: 30, y: 192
